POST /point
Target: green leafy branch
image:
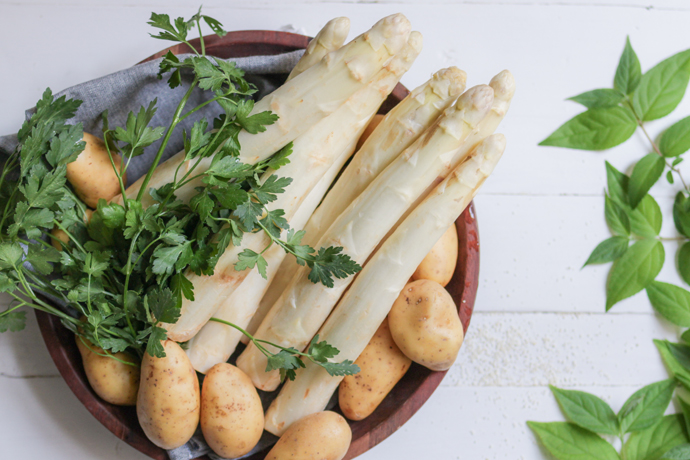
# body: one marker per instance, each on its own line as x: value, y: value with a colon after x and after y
x: 288, y: 360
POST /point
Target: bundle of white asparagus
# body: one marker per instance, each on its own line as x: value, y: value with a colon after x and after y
x: 410, y: 180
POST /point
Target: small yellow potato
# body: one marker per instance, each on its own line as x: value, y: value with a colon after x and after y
x: 381, y: 365
x: 439, y: 264
x: 115, y: 382
x: 424, y: 323
x: 62, y: 236
x: 92, y: 175
x: 320, y: 436
x: 232, y: 417
x: 369, y: 129
x: 168, y: 403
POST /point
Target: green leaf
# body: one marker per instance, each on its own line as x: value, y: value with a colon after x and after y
x: 321, y: 351
x: 286, y: 362
x: 681, y: 214
x: 280, y: 158
x: 215, y: 25
x: 681, y: 353
x: 347, y: 367
x: 330, y: 262
x: 567, y: 441
x: 595, y: 129
x: 634, y: 271
x: 676, y: 139
x: 684, y: 262
x: 608, y: 250
x: 14, y: 321
x: 671, y: 363
x: 662, y: 88
x: 165, y: 257
x: 617, y: 184
x: 255, y: 123
x: 154, y: 347
x: 646, y: 173
x: 616, y: 217
x: 599, y: 98
x: 248, y: 259
x: 586, y: 411
x: 40, y: 257
x: 180, y: 283
x: 681, y: 452
x: 646, y: 406
x: 112, y: 214
x: 11, y: 255
x: 672, y: 302
x: 163, y: 306
x: 629, y: 71
x: 654, y: 442
x: 685, y: 408
x: 646, y: 219
x: 273, y: 185
x: 669, y: 177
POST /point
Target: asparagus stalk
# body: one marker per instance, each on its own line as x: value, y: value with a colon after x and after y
x: 364, y: 307
x: 330, y: 38
x: 303, y: 307
x: 313, y: 153
x: 303, y: 101
x: 215, y: 342
x: 401, y: 126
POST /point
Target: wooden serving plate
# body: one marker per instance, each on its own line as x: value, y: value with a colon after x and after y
x: 400, y: 404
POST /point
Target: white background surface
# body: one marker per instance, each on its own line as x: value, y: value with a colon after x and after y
x: 538, y: 318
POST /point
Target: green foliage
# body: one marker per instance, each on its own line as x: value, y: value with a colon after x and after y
x: 632, y: 215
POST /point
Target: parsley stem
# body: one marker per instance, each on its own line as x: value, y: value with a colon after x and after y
x: 71, y: 237
x: 166, y: 139
x: 201, y: 37
x: 128, y: 274
x: 118, y: 174
x: 204, y: 104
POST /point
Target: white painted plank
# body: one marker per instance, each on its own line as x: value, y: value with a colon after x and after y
x: 522, y: 350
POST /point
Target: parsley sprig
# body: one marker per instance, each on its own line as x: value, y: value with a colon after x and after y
x: 288, y: 360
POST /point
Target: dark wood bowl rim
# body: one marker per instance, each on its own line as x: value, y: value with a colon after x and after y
x: 366, y: 433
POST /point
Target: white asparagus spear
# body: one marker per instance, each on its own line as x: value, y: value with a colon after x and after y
x: 401, y: 126
x: 304, y: 306
x: 330, y: 38
x: 364, y: 307
x: 215, y: 342
x: 313, y: 153
x: 397, y: 131
x: 303, y: 101
x: 503, y: 85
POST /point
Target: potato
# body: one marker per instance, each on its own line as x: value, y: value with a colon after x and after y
x: 115, y: 382
x: 232, y: 418
x: 439, y: 264
x: 62, y: 236
x: 168, y: 403
x: 382, y: 365
x: 369, y: 129
x: 321, y: 436
x: 92, y: 175
x: 424, y: 323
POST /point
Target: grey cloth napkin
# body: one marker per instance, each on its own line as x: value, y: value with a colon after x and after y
x: 126, y: 91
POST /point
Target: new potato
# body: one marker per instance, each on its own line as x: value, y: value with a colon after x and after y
x: 320, y: 436
x: 115, y: 382
x: 381, y: 365
x: 168, y: 402
x: 92, y: 175
x: 439, y: 263
x: 425, y: 325
x: 232, y: 417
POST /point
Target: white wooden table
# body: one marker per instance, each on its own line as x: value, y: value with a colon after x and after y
x: 538, y: 319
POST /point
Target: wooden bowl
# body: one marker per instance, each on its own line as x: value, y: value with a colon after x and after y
x: 400, y: 404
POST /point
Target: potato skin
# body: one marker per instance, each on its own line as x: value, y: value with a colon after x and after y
x: 369, y: 129
x: 321, y: 436
x: 232, y: 417
x: 382, y: 365
x: 168, y: 402
x: 439, y: 264
x: 62, y: 236
x: 424, y: 323
x: 113, y: 381
x: 92, y: 175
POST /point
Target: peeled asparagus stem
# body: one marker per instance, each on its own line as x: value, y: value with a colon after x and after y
x: 304, y: 306
x: 303, y: 101
x: 313, y: 153
x: 356, y: 318
x: 215, y: 342
x: 401, y: 126
x: 330, y: 38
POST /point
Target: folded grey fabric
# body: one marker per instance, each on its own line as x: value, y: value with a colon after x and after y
x: 126, y: 91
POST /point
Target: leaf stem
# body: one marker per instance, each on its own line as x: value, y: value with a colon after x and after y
x: 656, y: 149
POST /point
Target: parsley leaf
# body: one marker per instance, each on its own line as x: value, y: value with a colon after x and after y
x: 13, y: 321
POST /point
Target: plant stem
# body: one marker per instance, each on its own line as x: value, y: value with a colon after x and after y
x: 658, y: 152
x: 166, y: 139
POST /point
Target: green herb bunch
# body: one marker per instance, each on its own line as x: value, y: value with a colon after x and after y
x: 124, y: 270
x: 633, y: 216
x: 640, y: 425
